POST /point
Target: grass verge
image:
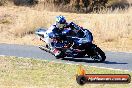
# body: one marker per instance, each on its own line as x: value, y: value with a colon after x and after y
x: 30, y: 73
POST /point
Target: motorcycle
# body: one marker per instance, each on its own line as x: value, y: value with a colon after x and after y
x: 72, y: 46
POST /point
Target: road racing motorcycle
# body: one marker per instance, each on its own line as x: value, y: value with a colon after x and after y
x: 71, y: 46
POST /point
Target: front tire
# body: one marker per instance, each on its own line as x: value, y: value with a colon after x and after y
x: 99, y: 55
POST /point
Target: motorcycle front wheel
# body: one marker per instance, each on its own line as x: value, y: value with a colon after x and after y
x: 99, y: 55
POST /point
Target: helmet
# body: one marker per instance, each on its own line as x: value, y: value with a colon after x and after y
x: 60, y: 22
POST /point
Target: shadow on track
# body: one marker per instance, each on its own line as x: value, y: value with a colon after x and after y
x: 108, y: 62
x: 89, y: 61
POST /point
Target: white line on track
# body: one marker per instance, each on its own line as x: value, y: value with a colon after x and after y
x: 2, y: 55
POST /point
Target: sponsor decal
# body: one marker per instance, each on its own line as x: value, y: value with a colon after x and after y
x: 83, y: 78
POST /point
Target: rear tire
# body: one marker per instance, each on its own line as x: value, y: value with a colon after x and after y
x: 62, y: 55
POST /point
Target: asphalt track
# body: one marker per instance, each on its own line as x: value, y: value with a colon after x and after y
x: 115, y: 60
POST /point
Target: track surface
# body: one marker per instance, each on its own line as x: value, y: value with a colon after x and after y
x: 115, y: 60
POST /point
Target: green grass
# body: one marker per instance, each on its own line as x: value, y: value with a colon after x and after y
x: 30, y: 73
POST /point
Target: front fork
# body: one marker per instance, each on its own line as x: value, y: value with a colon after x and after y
x: 92, y: 50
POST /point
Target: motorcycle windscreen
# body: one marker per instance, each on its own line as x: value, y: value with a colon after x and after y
x: 88, y: 36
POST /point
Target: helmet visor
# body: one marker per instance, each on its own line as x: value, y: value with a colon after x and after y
x: 61, y: 25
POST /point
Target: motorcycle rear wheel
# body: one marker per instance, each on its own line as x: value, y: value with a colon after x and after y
x: 62, y: 55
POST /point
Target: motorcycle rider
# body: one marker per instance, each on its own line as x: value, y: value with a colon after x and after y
x: 57, y: 28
